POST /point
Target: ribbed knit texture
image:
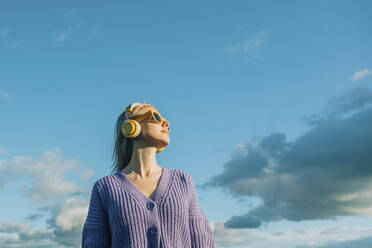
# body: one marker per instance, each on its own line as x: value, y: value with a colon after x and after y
x: 120, y: 215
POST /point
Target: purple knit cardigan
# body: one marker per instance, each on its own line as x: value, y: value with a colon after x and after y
x: 120, y: 215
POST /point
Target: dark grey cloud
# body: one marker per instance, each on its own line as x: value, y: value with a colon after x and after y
x: 34, y: 216
x: 4, y: 184
x: 356, y: 99
x: 325, y: 173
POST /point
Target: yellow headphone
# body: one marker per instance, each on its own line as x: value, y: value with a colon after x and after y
x: 132, y: 128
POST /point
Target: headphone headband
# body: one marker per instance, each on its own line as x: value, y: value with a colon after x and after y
x: 129, y: 110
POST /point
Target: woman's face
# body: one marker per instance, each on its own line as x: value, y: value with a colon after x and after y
x: 155, y: 133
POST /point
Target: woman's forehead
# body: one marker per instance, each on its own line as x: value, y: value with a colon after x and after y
x: 145, y: 110
x: 148, y: 108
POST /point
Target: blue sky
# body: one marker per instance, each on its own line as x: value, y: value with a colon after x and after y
x: 269, y: 102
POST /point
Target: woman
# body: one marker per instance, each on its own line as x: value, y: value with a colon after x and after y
x: 143, y: 204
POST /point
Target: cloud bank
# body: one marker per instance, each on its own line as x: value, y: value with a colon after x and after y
x: 325, y: 173
x: 63, y: 201
x: 361, y: 75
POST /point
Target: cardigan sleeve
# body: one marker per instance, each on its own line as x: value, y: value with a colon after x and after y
x: 201, y: 232
x: 96, y: 230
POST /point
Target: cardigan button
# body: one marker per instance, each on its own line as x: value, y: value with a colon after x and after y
x: 153, y: 230
x: 150, y: 205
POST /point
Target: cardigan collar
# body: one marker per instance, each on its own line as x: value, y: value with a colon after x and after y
x: 159, y: 192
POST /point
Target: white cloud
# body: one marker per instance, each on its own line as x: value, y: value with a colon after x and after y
x: 87, y: 174
x: 361, y: 74
x: 65, y: 227
x: 6, y: 42
x: 52, y: 193
x: 47, y: 175
x: 4, y: 95
x: 15, y: 227
x: 51, y: 187
x: 4, y: 32
x: 21, y: 234
x: 73, y: 24
x: 71, y: 214
x: 270, y: 237
x: 250, y: 47
x: 227, y: 237
x: 63, y: 36
x: 3, y: 150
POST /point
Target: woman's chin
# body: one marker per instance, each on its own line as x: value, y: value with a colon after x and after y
x: 160, y: 142
x: 164, y: 142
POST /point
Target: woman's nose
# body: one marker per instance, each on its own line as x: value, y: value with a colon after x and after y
x: 166, y: 123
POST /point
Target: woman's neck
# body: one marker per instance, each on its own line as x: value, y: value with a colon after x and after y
x: 143, y: 163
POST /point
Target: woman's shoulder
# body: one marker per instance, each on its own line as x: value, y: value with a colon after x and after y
x: 106, y: 181
x: 184, y: 176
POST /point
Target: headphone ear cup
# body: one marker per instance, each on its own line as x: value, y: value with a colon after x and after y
x: 131, y: 128
x: 160, y: 150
